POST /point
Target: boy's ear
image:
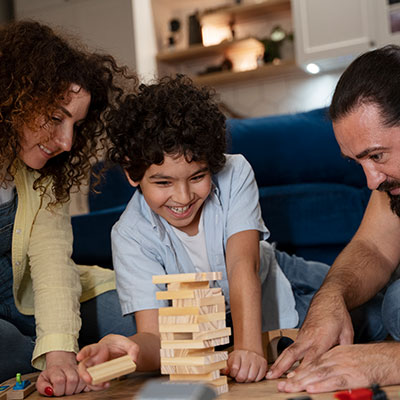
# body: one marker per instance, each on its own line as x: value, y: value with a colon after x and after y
x: 131, y: 182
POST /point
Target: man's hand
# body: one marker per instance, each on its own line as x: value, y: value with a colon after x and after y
x: 108, y: 348
x: 347, y: 367
x: 327, y: 324
x: 61, y: 374
x: 246, y: 366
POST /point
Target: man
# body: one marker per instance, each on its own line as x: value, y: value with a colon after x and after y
x: 365, y: 111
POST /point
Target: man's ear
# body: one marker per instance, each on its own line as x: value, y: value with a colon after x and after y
x: 131, y: 182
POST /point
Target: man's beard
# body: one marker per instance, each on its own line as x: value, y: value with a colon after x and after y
x: 394, y: 199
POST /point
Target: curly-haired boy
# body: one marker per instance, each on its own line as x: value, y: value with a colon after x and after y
x: 196, y: 209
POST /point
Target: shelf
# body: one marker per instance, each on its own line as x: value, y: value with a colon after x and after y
x: 242, y: 12
x: 197, y: 51
x: 285, y: 68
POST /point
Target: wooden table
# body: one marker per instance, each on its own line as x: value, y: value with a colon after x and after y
x: 129, y: 387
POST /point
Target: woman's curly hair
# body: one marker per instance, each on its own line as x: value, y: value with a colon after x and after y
x: 37, y: 67
x: 172, y: 117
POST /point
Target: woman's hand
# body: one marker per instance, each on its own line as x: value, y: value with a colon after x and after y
x: 108, y: 348
x: 61, y: 375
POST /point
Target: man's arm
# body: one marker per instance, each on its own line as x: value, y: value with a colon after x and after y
x: 359, y: 272
x: 246, y: 363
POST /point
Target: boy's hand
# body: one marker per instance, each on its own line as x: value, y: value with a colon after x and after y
x: 246, y: 366
x: 108, y: 348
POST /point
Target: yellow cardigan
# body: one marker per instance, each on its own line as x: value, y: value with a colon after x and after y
x: 47, y: 283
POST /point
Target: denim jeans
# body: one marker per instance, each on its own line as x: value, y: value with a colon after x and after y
x: 306, y: 277
x: 391, y: 309
x: 100, y: 316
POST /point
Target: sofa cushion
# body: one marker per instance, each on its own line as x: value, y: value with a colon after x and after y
x: 293, y: 148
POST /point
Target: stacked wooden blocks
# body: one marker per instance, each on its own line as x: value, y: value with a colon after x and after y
x: 192, y: 327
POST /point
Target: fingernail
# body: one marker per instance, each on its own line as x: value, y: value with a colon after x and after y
x: 49, y: 391
x: 291, y: 374
x: 269, y: 374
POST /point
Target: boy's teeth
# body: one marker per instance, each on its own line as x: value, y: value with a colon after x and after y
x: 179, y: 210
x: 45, y: 149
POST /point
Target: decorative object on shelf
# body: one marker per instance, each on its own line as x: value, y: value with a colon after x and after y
x: 174, y: 28
x: 195, y: 35
x: 226, y: 65
x: 278, y: 46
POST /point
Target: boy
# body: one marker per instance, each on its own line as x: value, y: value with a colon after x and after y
x: 196, y: 209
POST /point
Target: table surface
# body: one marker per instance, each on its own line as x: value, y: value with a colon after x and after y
x: 128, y: 389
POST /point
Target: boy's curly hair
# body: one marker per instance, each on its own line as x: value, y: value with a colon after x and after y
x: 172, y: 117
x: 37, y: 67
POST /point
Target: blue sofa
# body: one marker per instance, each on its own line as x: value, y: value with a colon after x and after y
x: 312, y: 199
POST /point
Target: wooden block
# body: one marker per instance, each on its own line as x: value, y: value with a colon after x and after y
x: 204, y: 335
x: 215, y: 334
x: 270, y: 340
x: 192, y: 277
x: 193, y: 360
x: 195, y: 310
x: 188, y: 294
x: 111, y: 369
x: 193, y: 344
x: 206, y: 326
x: 222, y: 380
x: 198, y: 302
x: 196, y: 369
x: 13, y: 394
x: 210, y: 376
x: 190, y: 319
x: 186, y: 352
x: 176, y: 336
x: 188, y: 285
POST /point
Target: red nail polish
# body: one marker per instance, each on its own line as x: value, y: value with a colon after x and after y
x: 49, y: 391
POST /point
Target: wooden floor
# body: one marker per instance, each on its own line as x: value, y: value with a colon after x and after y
x: 128, y: 389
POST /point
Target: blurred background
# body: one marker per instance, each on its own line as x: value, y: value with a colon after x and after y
x: 264, y: 57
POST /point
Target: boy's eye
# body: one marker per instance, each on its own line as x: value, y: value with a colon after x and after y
x: 162, y: 183
x: 198, y: 177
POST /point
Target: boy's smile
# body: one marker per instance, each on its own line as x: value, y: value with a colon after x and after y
x: 176, y: 190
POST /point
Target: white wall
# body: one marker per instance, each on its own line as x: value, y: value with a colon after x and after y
x: 280, y: 96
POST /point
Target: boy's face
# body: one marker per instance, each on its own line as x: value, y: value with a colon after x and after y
x: 176, y: 190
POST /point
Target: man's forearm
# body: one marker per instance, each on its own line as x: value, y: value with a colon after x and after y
x: 357, y: 275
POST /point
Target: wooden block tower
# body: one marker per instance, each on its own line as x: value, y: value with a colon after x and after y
x: 191, y: 327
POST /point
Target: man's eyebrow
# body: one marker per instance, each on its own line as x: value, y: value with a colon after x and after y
x: 366, y: 152
x: 161, y: 176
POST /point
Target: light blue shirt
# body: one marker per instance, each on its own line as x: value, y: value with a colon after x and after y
x: 144, y: 244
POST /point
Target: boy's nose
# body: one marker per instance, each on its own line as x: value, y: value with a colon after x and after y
x: 182, y: 195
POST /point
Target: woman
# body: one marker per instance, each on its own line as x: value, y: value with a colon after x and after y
x: 54, y: 104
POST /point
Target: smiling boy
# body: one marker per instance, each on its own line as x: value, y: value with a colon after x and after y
x: 196, y: 209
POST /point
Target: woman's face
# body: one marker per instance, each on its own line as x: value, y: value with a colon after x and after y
x: 57, y: 135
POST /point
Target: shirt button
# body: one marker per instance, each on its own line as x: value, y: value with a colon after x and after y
x: 17, y: 263
x: 18, y: 231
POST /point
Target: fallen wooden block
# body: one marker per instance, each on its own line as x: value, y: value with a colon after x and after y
x: 111, y: 369
x: 271, y: 339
